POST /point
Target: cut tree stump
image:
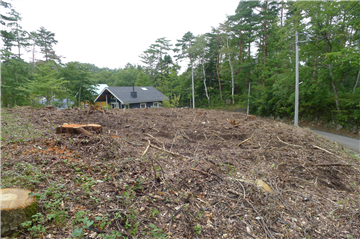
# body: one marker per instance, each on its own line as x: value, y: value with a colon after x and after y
x: 79, y: 129
x: 17, y: 206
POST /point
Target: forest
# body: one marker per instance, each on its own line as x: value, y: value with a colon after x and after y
x: 254, y: 49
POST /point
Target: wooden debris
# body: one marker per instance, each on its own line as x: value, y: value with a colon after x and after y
x: 258, y: 182
x: 233, y: 122
x: 93, y: 108
x: 17, y: 206
x: 79, y: 129
x: 334, y: 164
x: 288, y: 143
x: 262, y: 185
x: 245, y: 140
x: 200, y: 171
x: 147, y: 147
x: 250, y: 117
x: 167, y: 151
x: 50, y: 107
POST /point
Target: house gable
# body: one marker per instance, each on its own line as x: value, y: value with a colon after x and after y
x: 106, y: 92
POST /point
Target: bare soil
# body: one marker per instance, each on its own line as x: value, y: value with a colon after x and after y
x: 193, y: 173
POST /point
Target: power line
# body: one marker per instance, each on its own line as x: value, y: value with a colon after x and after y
x: 341, y: 8
x: 345, y: 6
x: 351, y: 7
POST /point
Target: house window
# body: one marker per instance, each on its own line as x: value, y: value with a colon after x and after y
x: 156, y: 104
x: 126, y: 106
x: 143, y: 105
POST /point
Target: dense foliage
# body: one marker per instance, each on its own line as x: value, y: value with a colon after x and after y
x: 255, y: 46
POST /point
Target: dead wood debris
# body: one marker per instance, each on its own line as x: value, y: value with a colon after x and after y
x: 190, y: 173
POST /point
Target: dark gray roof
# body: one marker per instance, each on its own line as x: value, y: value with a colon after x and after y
x: 144, y: 94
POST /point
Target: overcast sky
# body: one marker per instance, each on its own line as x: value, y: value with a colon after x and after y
x: 111, y: 33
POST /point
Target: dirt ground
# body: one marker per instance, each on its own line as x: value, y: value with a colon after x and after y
x: 182, y: 173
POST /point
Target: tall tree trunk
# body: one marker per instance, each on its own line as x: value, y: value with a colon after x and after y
x: 282, y: 14
x: 67, y: 95
x: 265, y: 35
x: 315, y: 62
x: 217, y: 71
x: 334, y: 89
x: 232, y: 72
x: 356, y: 83
x: 2, y: 98
x: 240, y: 52
x: 19, y: 48
x: 248, y: 73
x: 232, y: 80
x: 79, y: 97
x: 17, y: 85
x: 193, y: 83
x: 33, y: 56
x: 203, y: 69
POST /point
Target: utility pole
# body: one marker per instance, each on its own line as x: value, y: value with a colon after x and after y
x: 193, y: 87
x: 296, y: 116
x: 247, y: 111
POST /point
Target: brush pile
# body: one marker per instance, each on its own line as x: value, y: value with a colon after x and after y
x: 182, y: 173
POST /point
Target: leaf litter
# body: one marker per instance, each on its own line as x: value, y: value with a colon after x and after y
x: 185, y: 173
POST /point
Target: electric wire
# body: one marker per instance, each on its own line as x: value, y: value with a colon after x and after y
x: 351, y: 7
x: 341, y: 7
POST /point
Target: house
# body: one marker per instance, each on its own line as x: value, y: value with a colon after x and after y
x: 130, y: 97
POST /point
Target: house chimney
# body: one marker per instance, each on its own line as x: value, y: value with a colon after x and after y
x: 134, y: 93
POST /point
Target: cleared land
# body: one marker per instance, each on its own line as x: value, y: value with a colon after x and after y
x: 179, y: 173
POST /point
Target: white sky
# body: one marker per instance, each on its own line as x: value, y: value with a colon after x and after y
x: 111, y: 33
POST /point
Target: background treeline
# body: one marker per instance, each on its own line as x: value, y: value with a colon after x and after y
x: 254, y: 46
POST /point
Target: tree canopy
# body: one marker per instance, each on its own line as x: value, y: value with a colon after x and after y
x: 255, y: 45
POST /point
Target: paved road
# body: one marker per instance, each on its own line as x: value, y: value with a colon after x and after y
x: 351, y: 143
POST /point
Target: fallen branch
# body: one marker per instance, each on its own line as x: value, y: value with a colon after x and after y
x: 244, y: 231
x: 336, y: 156
x: 326, y: 151
x: 156, y: 140
x: 185, y: 136
x: 246, y: 140
x: 205, y: 173
x: 288, y: 143
x: 234, y: 192
x: 177, y: 211
x: 221, y: 196
x: 219, y: 136
x: 167, y: 151
x: 206, y: 203
x: 148, y: 146
x: 174, y: 139
x: 334, y: 164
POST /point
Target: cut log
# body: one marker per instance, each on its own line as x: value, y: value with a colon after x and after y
x: 79, y: 129
x: 17, y: 206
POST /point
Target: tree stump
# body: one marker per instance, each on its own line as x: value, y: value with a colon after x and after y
x: 17, y: 206
x: 79, y: 129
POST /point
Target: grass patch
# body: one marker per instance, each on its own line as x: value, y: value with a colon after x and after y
x: 16, y: 129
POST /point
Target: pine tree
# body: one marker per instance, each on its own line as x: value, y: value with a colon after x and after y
x: 182, y: 48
